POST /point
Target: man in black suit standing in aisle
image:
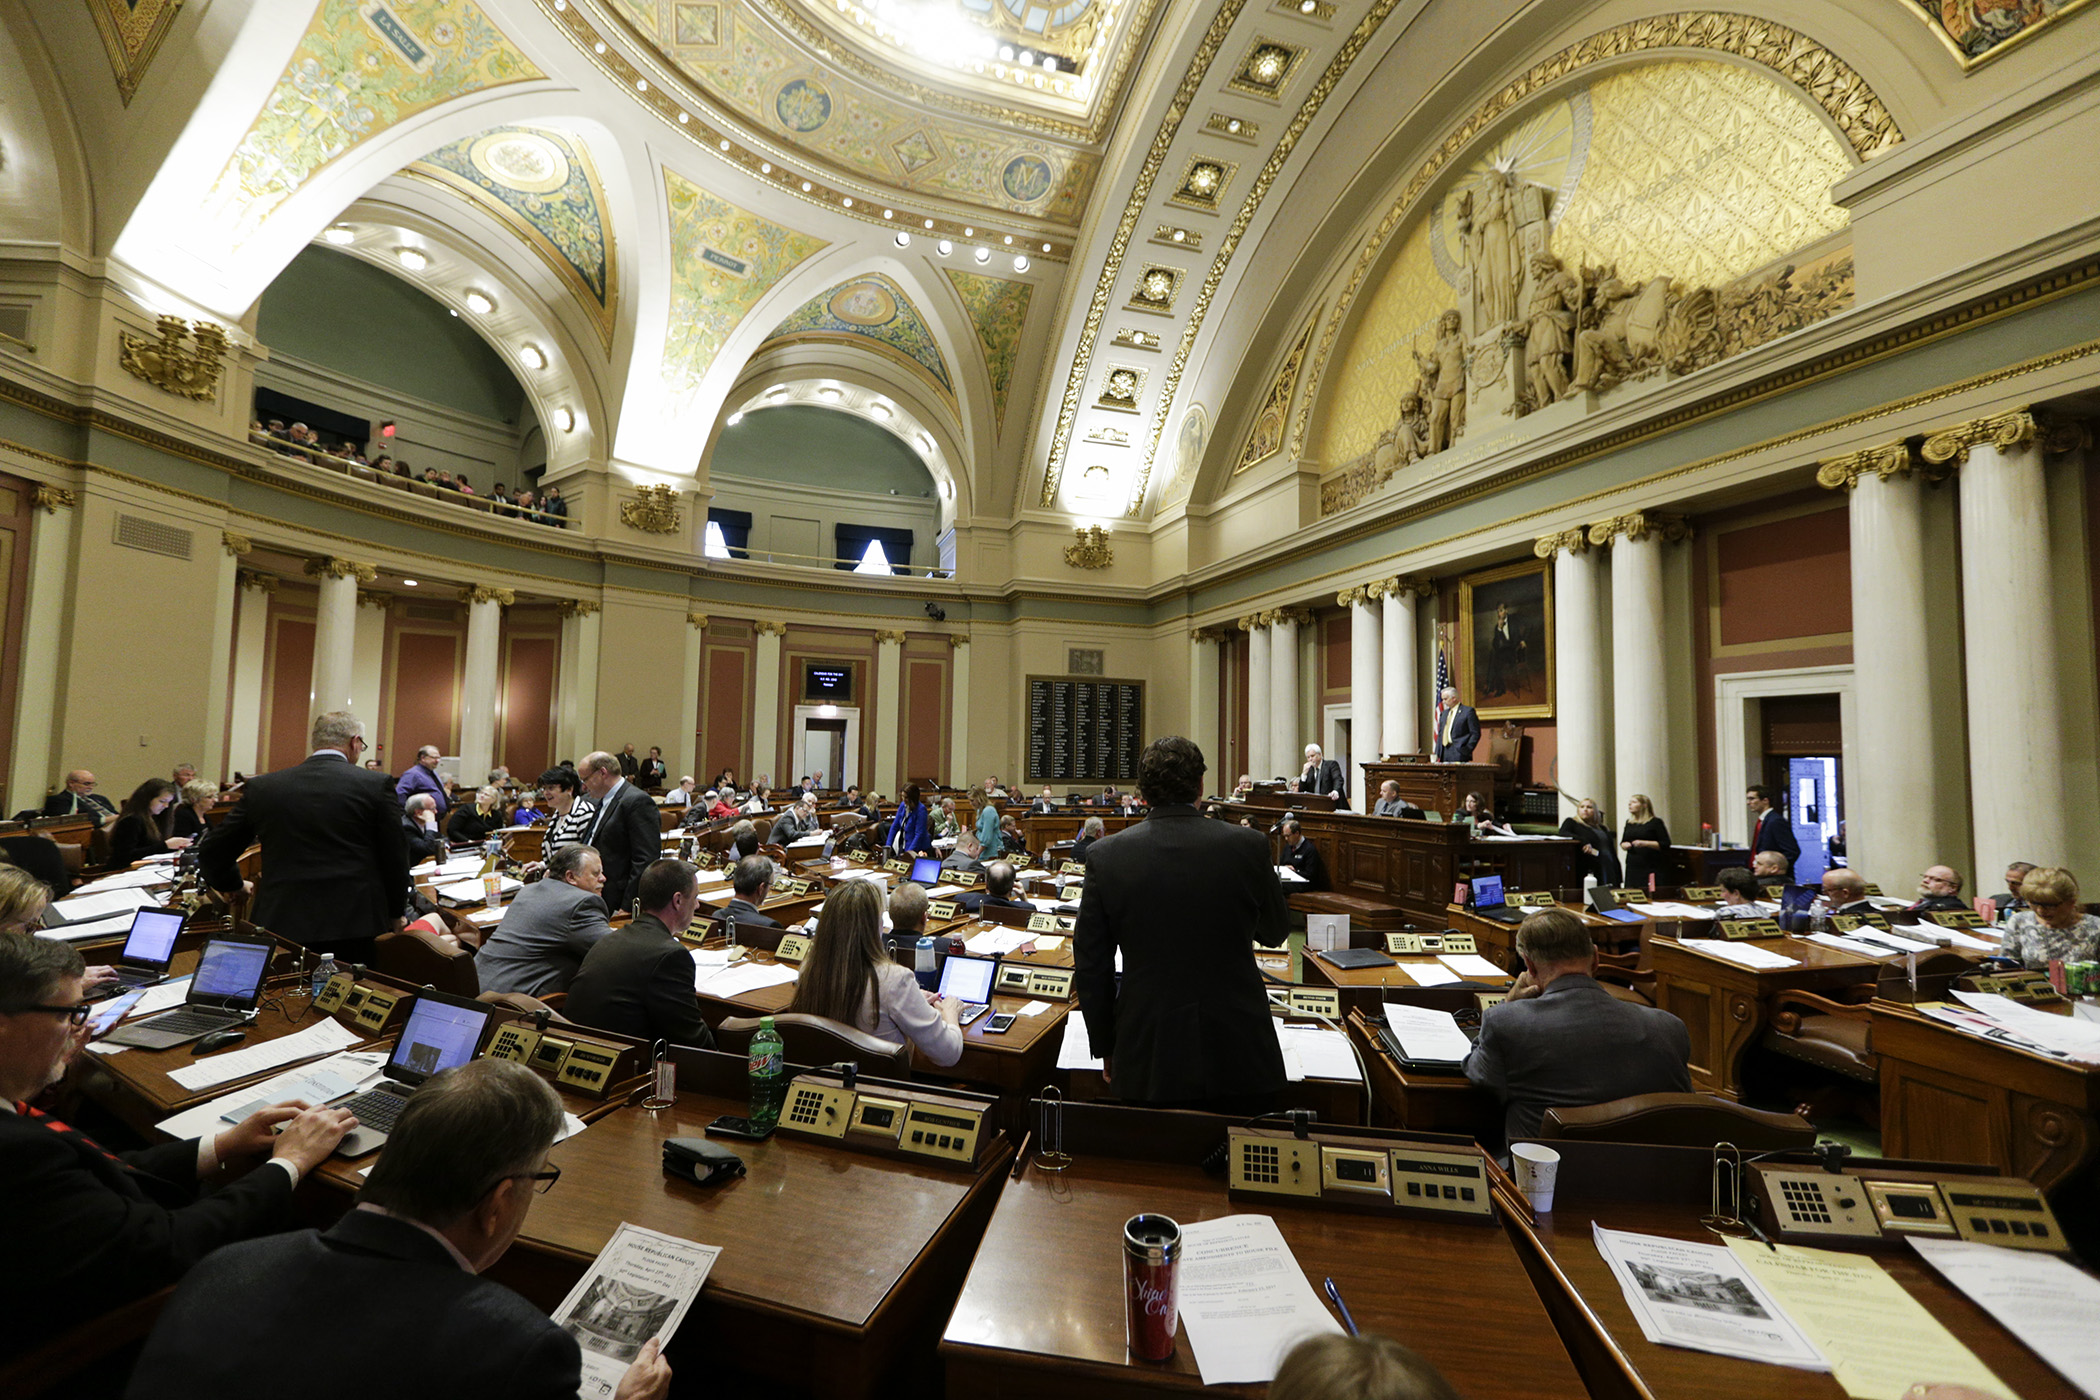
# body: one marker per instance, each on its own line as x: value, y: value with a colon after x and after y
x: 1324, y: 776
x: 1769, y: 828
x: 630, y: 766
x: 443, y: 1203
x: 1182, y: 897
x: 1457, y: 731
x: 652, y: 772
x: 638, y: 980
x: 83, y: 1230
x: 334, y: 856
x: 625, y: 832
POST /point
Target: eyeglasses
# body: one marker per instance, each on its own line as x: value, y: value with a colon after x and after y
x: 546, y: 1179
x: 76, y: 1014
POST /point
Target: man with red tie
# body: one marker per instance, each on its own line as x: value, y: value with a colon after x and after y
x: 95, y: 1228
x: 1769, y: 828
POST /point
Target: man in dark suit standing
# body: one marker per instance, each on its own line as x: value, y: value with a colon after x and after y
x: 638, y: 980
x: 1182, y: 897
x: 83, y: 1230
x: 1769, y: 828
x: 443, y: 1203
x: 334, y: 856
x: 626, y: 831
x: 1324, y: 776
x: 1457, y: 731
x: 652, y: 773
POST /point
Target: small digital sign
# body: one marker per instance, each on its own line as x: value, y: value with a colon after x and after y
x: 827, y: 683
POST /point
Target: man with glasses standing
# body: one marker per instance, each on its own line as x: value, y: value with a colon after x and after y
x: 442, y: 1205
x: 83, y: 1229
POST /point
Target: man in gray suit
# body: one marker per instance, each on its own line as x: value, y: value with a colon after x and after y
x: 548, y: 928
x: 1390, y: 802
x: 795, y: 823
x: 1562, y: 1041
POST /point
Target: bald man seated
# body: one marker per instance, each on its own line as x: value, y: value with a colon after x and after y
x: 1846, y: 893
x: 1939, y: 889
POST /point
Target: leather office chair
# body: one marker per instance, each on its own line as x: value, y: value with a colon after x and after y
x: 46, y: 1369
x: 250, y: 864
x: 424, y: 959
x: 1622, y: 976
x: 1680, y: 1120
x: 551, y: 1003
x: 1005, y: 917
x: 818, y: 1040
x: 1837, y: 1032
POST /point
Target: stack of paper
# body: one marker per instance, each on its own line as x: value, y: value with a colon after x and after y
x: 1472, y: 965
x: 2066, y: 1035
x: 475, y: 891
x: 125, y: 880
x: 1852, y: 945
x: 1670, y: 909
x: 734, y: 981
x: 318, y: 1039
x: 80, y: 908
x: 1244, y: 1300
x: 1314, y: 1052
x: 1741, y: 954
x: 107, y: 926
x: 997, y: 941
x: 1426, y: 1034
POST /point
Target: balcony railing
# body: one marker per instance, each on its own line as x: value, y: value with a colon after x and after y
x: 386, y: 473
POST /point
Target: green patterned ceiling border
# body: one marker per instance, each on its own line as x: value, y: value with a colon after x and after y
x: 723, y: 261
x: 998, y: 309
x: 580, y: 252
x: 868, y: 309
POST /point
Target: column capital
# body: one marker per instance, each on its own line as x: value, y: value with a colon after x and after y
x: 1402, y: 586
x: 2061, y: 434
x: 1575, y: 541
x: 575, y: 607
x: 1249, y: 622
x: 1297, y: 617
x: 1351, y: 597
x: 696, y: 619
x: 373, y: 598
x: 1211, y: 634
x: 48, y: 498
x: 1639, y: 525
x: 484, y: 593
x: 957, y: 641
x: 890, y: 636
x: 1889, y: 462
x: 255, y: 579
x: 235, y: 545
x: 771, y: 629
x: 328, y: 566
x: 2003, y: 431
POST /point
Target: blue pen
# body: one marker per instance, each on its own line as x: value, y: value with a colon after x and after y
x: 1334, y: 1295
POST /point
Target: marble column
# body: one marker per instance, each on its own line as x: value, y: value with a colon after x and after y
x: 1256, y: 626
x: 1400, y: 727
x: 1641, y: 739
x: 1366, y: 689
x: 1896, y: 792
x: 251, y: 644
x: 765, y: 718
x: 2017, y: 792
x: 687, y: 749
x: 889, y: 692
x: 34, y: 766
x: 368, y: 665
x: 576, y: 718
x: 218, y: 695
x: 959, y: 712
x: 1582, y: 673
x: 1285, y: 737
x: 335, y: 633
x: 480, y: 684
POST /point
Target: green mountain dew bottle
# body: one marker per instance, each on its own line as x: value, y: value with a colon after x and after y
x: 768, y: 1069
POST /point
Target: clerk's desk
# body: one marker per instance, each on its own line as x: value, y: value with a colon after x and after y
x: 1664, y: 1191
x: 1042, y: 1312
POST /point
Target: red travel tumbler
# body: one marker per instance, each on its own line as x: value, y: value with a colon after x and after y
x: 1151, y: 1271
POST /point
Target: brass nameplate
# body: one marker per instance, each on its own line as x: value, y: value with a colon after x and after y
x: 1534, y: 899
x: 1956, y: 918
x: 377, y: 1007
x: 589, y: 1066
x: 332, y: 995
x: 1704, y: 894
x: 1748, y: 928
x: 897, y: 864
x: 941, y: 909
x: 1874, y: 892
x: 794, y: 947
x: 1630, y: 896
x: 1845, y: 923
x: 968, y: 879
x: 1050, y: 982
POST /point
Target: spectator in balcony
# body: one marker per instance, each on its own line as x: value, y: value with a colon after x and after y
x: 527, y: 505
x: 500, y: 494
x: 461, y: 483
x: 255, y: 428
x: 556, y: 508
x: 430, y: 476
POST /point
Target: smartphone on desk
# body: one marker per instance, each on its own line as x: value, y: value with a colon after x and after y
x: 729, y: 1127
x: 1000, y: 1024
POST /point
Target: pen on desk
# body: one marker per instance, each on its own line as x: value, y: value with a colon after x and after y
x: 1761, y: 1235
x: 1334, y: 1295
x: 1021, y: 1157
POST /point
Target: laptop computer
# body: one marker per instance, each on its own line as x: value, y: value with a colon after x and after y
x: 1605, y: 904
x: 148, y: 950
x: 970, y: 981
x: 1488, y: 901
x: 442, y: 1033
x: 224, y: 992
x: 926, y: 870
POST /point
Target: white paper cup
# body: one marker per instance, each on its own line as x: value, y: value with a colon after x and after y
x: 1536, y: 1167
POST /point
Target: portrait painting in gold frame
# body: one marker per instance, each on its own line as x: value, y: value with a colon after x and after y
x: 1505, y: 641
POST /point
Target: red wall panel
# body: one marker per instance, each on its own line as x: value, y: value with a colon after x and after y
x: 526, y: 743
x: 426, y: 695
x: 291, y: 691
x: 1785, y: 578
x: 925, y: 719
x: 725, y: 713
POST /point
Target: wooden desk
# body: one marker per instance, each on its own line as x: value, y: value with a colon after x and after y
x: 837, y: 1266
x: 1424, y: 1103
x: 1663, y: 1191
x: 1063, y: 825
x: 1042, y: 1312
x: 1956, y: 1097
x: 1367, y: 986
x: 1434, y: 787
x: 1724, y: 1005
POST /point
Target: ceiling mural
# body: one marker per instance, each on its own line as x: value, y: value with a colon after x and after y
x: 540, y: 183
x: 132, y: 30
x: 723, y: 260
x: 361, y: 68
x: 998, y: 309
x: 836, y: 118
x: 1979, y: 30
x: 872, y: 308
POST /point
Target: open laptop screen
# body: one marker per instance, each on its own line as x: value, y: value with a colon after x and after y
x: 230, y: 971
x: 968, y: 978
x: 439, y: 1036
x: 1487, y: 891
x: 926, y: 870
x: 152, y: 940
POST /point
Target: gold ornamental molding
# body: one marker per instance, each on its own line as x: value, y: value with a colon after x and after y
x: 373, y: 598
x: 332, y: 567
x: 654, y: 510
x: 235, y: 545
x: 575, y: 607
x: 131, y: 31
x: 1575, y: 541
x: 956, y: 643
x: 1296, y: 617
x: 2004, y: 431
x: 770, y: 629
x: 1402, y: 586
x: 1638, y: 525
x: 1858, y: 113
x: 48, y: 499
x: 1889, y: 461
x: 1248, y: 623
x: 1212, y: 634
x: 890, y: 636
x: 699, y: 620
x: 1349, y: 597
x: 484, y: 593
x: 189, y: 371
x: 1090, y: 549
x: 255, y: 579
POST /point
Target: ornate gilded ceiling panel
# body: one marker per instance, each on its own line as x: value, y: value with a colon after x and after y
x: 541, y: 184
x: 1976, y: 31
x: 723, y: 260
x: 869, y: 308
x: 998, y: 309
x: 361, y: 68
x: 132, y: 30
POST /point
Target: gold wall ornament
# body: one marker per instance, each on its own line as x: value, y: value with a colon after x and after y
x: 957, y: 642
x: 188, y: 371
x: 1888, y: 461
x: 48, y: 499
x: 575, y: 607
x: 131, y: 31
x: 1266, y: 439
x: 331, y: 567
x: 1639, y: 525
x: 699, y: 620
x: 1296, y: 616
x: 654, y: 510
x: 2059, y: 434
x: 373, y: 598
x: 235, y: 545
x: 255, y: 579
x: 770, y: 629
x: 890, y: 636
x: 1348, y: 597
x: 1575, y: 541
x: 1090, y: 549
x: 486, y: 593
x: 1248, y: 623
x: 1212, y: 634
x: 2003, y: 431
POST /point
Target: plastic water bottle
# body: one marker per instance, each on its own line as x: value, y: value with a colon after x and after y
x: 324, y: 971
x: 768, y: 1070
x: 1819, y: 915
x: 922, y: 962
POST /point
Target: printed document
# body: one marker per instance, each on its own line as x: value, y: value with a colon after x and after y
x: 2066, y: 1035
x: 80, y: 908
x: 1075, y: 1051
x: 1317, y: 1052
x: 1741, y: 954
x: 321, y: 1038
x: 2049, y: 1303
x: 315, y: 1084
x: 1429, y: 974
x: 1427, y: 1034
x: 638, y: 1288
x: 1244, y: 1299
x: 1472, y: 965
x: 1696, y: 1295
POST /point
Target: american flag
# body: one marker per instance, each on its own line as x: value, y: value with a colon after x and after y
x: 1443, y: 678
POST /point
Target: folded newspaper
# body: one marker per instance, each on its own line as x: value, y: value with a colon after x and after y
x: 638, y: 1288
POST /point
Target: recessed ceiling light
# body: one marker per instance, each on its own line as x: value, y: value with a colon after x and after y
x: 889, y: 213
x: 765, y: 167
x: 725, y: 145
x: 1009, y: 240
x: 831, y: 394
x: 736, y: 418
x: 1046, y: 247
x: 805, y: 187
x: 983, y: 255
x: 598, y: 47
x: 1020, y: 264
x: 879, y: 409
x: 533, y: 357
x: 414, y: 259
x: 969, y: 233
x: 479, y: 303
x: 929, y: 223
x: 903, y: 239
x: 849, y: 201
x: 567, y: 418
x: 945, y: 247
x: 453, y: 312
x: 641, y: 84
x: 340, y: 235
x: 408, y: 583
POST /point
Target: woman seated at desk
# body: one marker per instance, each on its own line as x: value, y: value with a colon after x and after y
x: 472, y: 825
x: 850, y: 978
x: 137, y: 832
x: 1475, y: 814
x: 1739, y: 895
x: 190, y: 819
x: 2052, y: 926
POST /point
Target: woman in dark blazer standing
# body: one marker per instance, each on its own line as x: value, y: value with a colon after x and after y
x: 1599, y: 856
x: 1646, y: 842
